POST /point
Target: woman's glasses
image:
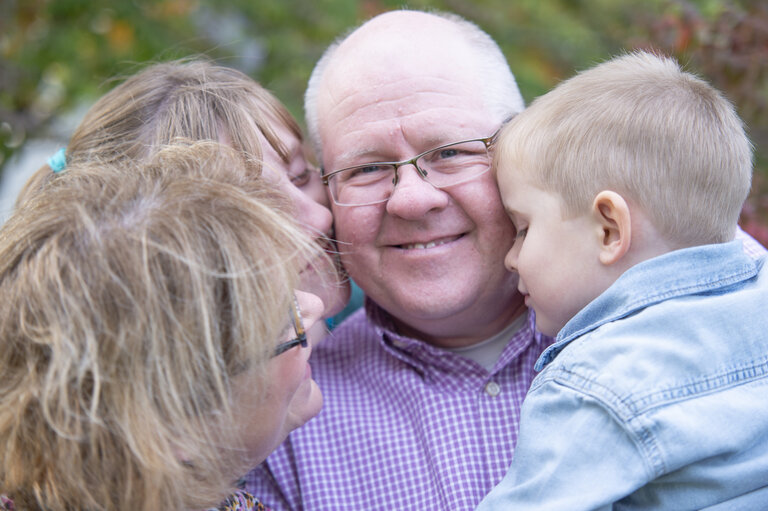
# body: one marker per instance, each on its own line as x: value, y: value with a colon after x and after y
x: 298, y: 328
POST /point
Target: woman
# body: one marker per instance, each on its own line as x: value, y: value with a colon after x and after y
x: 152, y: 345
x: 198, y: 100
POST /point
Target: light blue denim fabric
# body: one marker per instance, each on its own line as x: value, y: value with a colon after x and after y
x: 654, y: 396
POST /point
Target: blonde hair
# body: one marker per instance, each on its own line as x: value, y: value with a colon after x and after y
x: 192, y: 99
x: 638, y: 125
x: 500, y: 92
x: 130, y: 299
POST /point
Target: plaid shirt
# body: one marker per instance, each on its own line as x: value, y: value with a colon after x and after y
x: 404, y: 425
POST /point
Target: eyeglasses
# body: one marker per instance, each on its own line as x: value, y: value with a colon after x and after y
x: 298, y: 328
x: 443, y: 166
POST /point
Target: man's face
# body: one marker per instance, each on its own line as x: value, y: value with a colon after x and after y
x: 433, y: 258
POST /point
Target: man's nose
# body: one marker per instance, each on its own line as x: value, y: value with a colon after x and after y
x: 413, y: 196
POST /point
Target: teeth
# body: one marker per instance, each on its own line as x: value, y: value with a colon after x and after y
x: 431, y: 244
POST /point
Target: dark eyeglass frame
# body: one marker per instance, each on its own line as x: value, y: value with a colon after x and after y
x: 487, y: 141
x: 298, y: 328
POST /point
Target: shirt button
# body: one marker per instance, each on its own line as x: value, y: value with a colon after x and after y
x: 492, y: 388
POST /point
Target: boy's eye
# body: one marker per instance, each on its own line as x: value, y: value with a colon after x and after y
x: 521, y: 233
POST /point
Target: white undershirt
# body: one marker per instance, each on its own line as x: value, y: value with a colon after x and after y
x: 487, y: 352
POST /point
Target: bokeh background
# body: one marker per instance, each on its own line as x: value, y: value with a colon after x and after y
x: 57, y: 56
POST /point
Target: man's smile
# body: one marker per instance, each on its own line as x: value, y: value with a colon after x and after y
x: 429, y: 244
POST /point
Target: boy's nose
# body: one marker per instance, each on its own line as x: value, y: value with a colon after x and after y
x: 510, y: 260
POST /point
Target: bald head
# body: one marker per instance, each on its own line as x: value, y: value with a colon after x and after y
x: 399, y: 44
x: 404, y: 45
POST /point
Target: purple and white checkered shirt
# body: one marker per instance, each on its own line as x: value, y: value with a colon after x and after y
x: 404, y: 425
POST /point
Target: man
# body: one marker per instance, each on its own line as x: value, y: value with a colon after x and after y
x: 423, y: 388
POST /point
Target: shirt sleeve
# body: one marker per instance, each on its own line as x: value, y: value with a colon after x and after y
x: 572, y: 454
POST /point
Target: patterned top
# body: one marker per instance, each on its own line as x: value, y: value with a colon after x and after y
x: 240, y: 501
x: 405, y: 425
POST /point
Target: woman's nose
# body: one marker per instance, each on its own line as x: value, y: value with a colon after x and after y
x: 315, y: 217
x: 312, y: 308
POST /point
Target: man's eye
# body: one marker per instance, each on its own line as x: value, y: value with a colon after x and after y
x: 367, y: 171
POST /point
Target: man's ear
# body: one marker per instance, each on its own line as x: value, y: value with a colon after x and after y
x: 611, y: 212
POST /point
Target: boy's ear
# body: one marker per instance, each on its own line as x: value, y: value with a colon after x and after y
x: 611, y: 212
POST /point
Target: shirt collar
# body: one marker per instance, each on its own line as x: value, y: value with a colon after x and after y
x: 674, y: 274
x: 428, y: 358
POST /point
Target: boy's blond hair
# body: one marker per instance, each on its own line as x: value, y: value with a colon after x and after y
x: 192, y: 99
x: 638, y: 125
x: 131, y: 297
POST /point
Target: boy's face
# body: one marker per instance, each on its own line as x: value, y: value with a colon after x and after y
x: 556, y: 258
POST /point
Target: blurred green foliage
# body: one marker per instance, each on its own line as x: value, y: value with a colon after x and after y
x: 55, y: 54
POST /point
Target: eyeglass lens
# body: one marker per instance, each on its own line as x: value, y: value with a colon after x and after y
x: 444, y: 166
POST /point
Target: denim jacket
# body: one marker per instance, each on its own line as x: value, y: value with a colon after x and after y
x: 654, y: 396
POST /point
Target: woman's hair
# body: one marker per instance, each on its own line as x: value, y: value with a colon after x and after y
x: 638, y: 125
x: 131, y: 297
x: 193, y: 99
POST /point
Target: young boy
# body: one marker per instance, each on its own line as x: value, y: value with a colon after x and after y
x: 625, y: 184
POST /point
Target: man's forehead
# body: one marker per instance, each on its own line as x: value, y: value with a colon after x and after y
x: 404, y: 87
x: 381, y: 134
x: 394, y: 77
x: 408, y: 55
x: 401, y: 43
